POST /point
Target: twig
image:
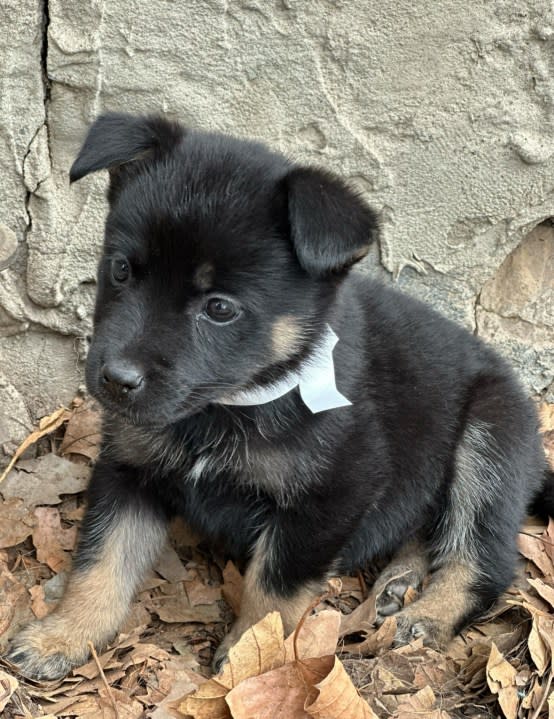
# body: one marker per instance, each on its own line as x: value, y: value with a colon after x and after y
x: 544, y: 697
x: 103, y: 677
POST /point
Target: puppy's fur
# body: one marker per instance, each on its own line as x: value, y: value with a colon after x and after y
x: 439, y: 447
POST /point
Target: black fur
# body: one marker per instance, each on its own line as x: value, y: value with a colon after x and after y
x: 332, y: 490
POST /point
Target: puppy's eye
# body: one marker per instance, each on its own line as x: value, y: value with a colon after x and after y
x: 221, y: 310
x: 120, y: 269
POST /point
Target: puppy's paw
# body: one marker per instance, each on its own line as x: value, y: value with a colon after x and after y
x: 390, y: 596
x: 41, y: 651
x: 410, y: 627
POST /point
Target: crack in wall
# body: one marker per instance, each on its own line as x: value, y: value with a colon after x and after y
x: 46, y: 100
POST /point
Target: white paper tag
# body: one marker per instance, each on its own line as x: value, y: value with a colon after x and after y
x: 315, y: 380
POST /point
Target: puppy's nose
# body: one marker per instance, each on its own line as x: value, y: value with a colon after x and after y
x: 122, y: 377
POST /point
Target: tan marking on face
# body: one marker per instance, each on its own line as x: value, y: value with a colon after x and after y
x: 204, y: 276
x: 444, y: 602
x: 286, y: 337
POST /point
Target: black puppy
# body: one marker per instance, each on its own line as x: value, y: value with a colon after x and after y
x: 222, y: 289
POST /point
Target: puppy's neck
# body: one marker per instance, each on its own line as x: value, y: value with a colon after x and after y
x: 315, y: 379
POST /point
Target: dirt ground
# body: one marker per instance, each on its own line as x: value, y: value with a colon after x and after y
x: 337, y: 665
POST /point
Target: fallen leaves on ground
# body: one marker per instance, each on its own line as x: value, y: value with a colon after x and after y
x: 338, y: 666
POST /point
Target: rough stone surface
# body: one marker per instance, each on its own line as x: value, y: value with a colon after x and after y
x: 441, y: 113
x: 516, y: 307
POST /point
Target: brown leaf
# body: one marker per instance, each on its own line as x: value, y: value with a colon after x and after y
x: 173, y: 605
x: 43, y: 480
x: 317, y: 636
x: 232, y: 587
x: 38, y: 604
x: 16, y: 522
x: 543, y: 589
x: 173, y: 683
x: 361, y: 619
x: 501, y: 678
x: 422, y: 704
x: 539, y: 648
x: 51, y: 540
x: 533, y: 548
x: 200, y: 593
x: 377, y: 641
x: 46, y: 426
x: 260, y: 649
x: 83, y: 432
x: 13, y: 602
x: 207, y: 702
x: 277, y: 694
x: 337, y: 697
x: 8, y: 685
x: 170, y: 566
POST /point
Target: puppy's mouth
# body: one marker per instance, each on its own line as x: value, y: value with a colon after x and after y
x: 151, y: 410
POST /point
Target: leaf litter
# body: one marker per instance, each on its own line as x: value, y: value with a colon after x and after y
x: 336, y: 665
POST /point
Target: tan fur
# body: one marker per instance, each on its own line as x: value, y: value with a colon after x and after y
x: 95, y: 602
x: 286, y: 337
x: 257, y: 602
x: 204, y: 276
x: 441, y: 606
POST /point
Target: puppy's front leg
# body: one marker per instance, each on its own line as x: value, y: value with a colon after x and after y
x: 121, y: 537
x: 271, y: 584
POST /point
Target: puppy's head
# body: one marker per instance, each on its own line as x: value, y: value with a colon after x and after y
x: 221, y: 261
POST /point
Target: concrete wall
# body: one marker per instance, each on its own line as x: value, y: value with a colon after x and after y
x: 441, y: 112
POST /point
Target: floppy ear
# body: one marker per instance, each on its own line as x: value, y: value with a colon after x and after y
x: 331, y: 226
x: 116, y: 140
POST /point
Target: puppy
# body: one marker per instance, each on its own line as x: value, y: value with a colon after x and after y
x: 306, y: 418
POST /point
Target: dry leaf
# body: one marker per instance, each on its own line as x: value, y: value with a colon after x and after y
x: 8, y: 685
x: 207, y: 702
x: 43, y: 480
x: 422, y: 704
x: 337, y: 697
x: 199, y: 593
x: 46, y: 426
x: 173, y: 605
x: 501, y: 678
x: 83, y: 432
x: 13, y: 602
x: 377, y: 641
x: 38, y: 604
x: 51, y: 540
x: 278, y: 694
x: 260, y: 649
x: 533, y: 548
x: 16, y: 522
x: 170, y: 566
x: 361, y: 619
x: 543, y: 589
x: 317, y: 637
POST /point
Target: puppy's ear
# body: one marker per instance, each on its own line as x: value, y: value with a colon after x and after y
x: 331, y: 226
x: 117, y: 140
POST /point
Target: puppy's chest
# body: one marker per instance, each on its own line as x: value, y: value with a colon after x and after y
x: 283, y: 467
x: 272, y: 468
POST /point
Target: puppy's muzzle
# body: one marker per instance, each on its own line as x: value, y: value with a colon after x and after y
x: 122, y: 379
